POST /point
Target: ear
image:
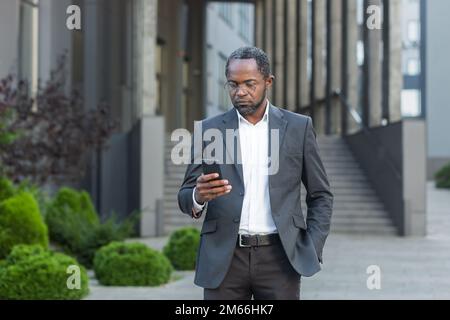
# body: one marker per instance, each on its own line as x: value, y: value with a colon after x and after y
x: 269, y: 81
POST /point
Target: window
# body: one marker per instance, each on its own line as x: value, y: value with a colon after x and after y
x: 244, y: 22
x: 411, y: 103
x: 28, y: 43
x: 413, y: 67
x: 225, y: 12
x: 413, y: 31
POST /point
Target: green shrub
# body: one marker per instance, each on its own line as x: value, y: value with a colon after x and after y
x: 74, y: 224
x: 7, y: 189
x: 182, y: 247
x: 33, y: 273
x: 131, y: 264
x: 39, y: 194
x: 443, y: 177
x: 72, y: 204
x: 100, y: 235
x: 21, y: 223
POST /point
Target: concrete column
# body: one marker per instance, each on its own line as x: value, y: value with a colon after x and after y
x: 349, y: 64
x: 268, y: 37
x: 414, y: 177
x: 150, y: 136
x: 372, y: 70
x: 278, y: 63
x: 334, y: 60
x: 291, y: 56
x: 259, y: 23
x: 318, y: 64
x: 170, y: 26
x: 302, y: 98
x: 196, y: 51
x: 145, y: 13
x: 392, y: 60
x: 54, y: 37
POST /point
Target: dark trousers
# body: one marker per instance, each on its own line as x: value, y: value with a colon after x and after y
x: 262, y: 272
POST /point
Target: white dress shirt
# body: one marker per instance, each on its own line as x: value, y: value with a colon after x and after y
x: 256, y: 216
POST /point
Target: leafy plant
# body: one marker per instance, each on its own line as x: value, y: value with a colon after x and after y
x: 47, y: 137
x: 7, y: 189
x: 74, y: 225
x: 182, y: 247
x: 21, y: 223
x: 131, y: 264
x: 443, y: 177
x: 31, y: 273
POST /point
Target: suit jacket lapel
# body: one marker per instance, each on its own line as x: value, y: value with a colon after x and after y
x: 276, y: 122
x: 230, y: 122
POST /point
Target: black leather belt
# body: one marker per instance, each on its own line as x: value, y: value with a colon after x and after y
x: 256, y: 240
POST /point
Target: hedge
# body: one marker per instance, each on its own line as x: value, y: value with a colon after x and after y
x: 21, y: 223
x: 131, y: 264
x: 443, y: 177
x: 33, y: 273
x: 182, y: 247
x: 74, y: 224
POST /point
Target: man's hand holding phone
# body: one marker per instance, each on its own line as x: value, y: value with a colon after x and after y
x: 209, y: 187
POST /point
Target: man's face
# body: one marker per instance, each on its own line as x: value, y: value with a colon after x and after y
x: 246, y: 85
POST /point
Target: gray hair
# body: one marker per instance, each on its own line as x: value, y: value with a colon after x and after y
x: 261, y: 58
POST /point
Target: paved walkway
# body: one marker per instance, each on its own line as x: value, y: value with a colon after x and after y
x: 411, y: 268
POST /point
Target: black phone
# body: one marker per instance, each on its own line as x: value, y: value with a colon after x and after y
x: 211, y: 166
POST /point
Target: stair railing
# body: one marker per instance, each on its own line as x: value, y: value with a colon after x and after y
x: 373, y: 139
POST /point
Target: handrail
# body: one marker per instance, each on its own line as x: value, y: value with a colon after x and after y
x: 352, y: 111
x: 372, y: 138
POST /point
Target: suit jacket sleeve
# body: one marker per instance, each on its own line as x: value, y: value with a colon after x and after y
x: 185, y: 196
x: 319, y: 198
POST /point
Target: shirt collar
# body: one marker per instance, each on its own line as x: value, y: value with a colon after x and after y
x: 265, y: 117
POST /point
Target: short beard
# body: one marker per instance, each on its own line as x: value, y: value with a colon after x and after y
x: 251, y: 109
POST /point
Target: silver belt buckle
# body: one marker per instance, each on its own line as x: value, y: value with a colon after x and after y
x: 240, y: 242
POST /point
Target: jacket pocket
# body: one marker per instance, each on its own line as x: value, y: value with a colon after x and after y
x: 209, y: 226
x: 299, y: 222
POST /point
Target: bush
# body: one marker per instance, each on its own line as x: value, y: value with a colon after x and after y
x: 32, y: 273
x: 131, y: 264
x: 39, y: 194
x: 100, y: 235
x: 71, y: 218
x: 7, y: 189
x: 21, y: 223
x: 443, y: 177
x: 182, y: 247
x: 74, y: 224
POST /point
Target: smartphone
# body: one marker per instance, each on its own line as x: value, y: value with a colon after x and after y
x: 211, y: 166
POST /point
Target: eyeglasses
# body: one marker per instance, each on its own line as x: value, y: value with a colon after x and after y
x: 248, y: 87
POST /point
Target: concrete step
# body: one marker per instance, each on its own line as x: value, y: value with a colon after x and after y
x: 360, y: 213
x: 364, y: 230
x: 340, y: 205
x: 340, y: 165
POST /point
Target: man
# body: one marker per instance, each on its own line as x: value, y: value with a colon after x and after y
x: 254, y: 239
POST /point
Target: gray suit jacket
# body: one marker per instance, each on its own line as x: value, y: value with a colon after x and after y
x: 299, y: 162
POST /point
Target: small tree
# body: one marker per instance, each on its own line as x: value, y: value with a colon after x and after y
x: 47, y: 137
